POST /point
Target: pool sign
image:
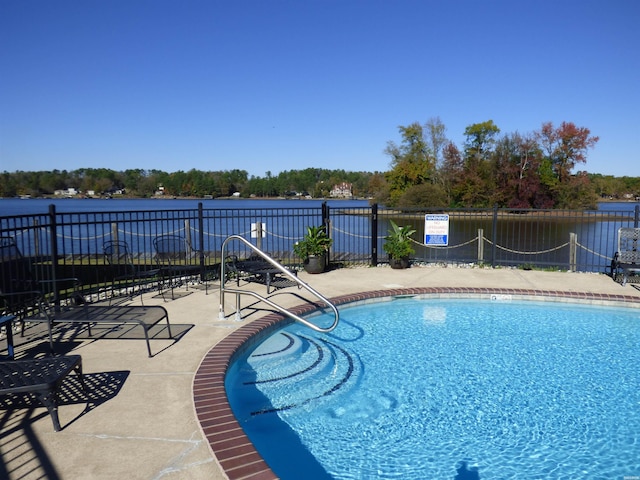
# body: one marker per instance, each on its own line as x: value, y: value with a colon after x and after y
x: 258, y: 230
x: 436, y: 230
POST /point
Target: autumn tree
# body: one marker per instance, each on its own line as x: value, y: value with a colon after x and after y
x: 565, y: 147
x: 518, y: 161
x: 450, y: 173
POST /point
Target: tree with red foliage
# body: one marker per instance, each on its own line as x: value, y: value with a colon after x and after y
x: 566, y: 146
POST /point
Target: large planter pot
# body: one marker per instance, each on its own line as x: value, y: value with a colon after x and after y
x: 399, y: 263
x: 315, y: 264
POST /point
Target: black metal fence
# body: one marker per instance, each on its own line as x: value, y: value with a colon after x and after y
x: 71, y: 244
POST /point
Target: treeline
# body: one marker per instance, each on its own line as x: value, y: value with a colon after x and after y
x: 533, y: 170
x: 140, y: 183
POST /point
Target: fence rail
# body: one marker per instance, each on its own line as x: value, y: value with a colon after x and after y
x: 71, y: 244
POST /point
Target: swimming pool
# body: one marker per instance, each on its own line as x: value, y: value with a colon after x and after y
x: 445, y: 388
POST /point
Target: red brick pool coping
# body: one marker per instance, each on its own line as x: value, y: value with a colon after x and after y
x: 235, y: 453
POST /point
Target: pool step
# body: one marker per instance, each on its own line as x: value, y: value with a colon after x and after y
x: 294, y: 371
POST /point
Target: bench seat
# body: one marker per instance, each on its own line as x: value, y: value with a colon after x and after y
x: 90, y: 315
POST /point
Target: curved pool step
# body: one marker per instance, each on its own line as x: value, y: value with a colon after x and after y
x: 297, y: 370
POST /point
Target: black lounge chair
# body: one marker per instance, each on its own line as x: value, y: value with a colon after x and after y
x: 26, y: 298
x: 40, y: 377
x: 626, y: 260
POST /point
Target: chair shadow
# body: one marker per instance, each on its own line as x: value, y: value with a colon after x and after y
x: 99, y: 388
x: 74, y: 334
x: 20, y: 447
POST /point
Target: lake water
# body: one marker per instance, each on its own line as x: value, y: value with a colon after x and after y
x: 17, y: 206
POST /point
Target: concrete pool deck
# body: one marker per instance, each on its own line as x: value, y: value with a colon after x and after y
x: 141, y: 422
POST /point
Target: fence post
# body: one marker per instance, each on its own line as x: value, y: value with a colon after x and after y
x: 494, y: 234
x: 201, y: 240
x: 326, y: 222
x: 187, y: 235
x: 573, y: 250
x: 636, y: 216
x: 258, y: 227
x: 480, y: 245
x: 36, y: 238
x: 114, y: 232
x: 53, y: 244
x: 374, y: 235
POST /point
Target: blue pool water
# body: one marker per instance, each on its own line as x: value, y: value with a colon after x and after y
x: 448, y: 389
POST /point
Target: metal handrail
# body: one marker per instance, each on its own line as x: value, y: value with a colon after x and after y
x: 281, y: 269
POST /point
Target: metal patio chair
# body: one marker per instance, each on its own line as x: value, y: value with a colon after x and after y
x: 174, y: 258
x: 22, y: 295
x: 126, y: 273
x: 626, y: 260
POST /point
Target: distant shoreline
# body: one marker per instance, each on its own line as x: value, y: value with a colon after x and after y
x: 171, y: 197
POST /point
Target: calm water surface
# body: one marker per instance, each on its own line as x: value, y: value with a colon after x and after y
x: 16, y: 206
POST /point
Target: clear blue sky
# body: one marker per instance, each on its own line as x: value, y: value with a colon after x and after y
x: 273, y: 85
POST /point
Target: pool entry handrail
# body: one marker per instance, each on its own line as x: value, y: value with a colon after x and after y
x: 281, y: 270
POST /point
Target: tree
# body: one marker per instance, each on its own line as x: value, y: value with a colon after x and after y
x: 566, y: 146
x: 411, y: 163
x: 478, y: 179
x: 480, y: 139
x: 436, y: 139
x: 577, y: 193
x: 132, y: 178
x: 378, y: 187
x: 8, y: 185
x: 423, y: 195
x: 451, y: 171
x: 518, y: 159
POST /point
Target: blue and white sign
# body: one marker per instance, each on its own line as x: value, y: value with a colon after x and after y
x: 436, y: 230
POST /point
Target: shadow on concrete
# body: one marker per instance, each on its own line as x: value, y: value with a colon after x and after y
x: 21, y: 451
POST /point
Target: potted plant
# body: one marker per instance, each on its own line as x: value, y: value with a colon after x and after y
x: 398, y: 245
x: 313, y: 248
